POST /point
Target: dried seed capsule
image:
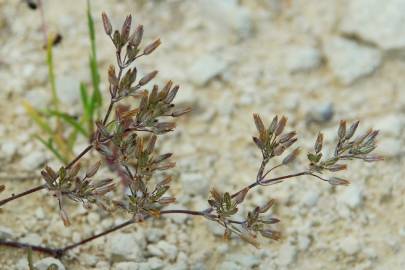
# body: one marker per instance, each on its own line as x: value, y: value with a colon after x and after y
x: 181, y: 112
x: 281, y: 126
x: 279, y: 150
x: 136, y: 37
x: 271, y: 234
x: 273, y: 125
x: 336, y: 181
x: 151, y: 144
x: 259, y: 123
x: 342, y: 130
x: 148, y: 77
x: 319, y: 143
x: 2, y: 188
x: 117, y: 39
x: 337, y: 167
x: 151, y: 47
x: 126, y: 29
x: 291, y: 157
x: 286, y: 137
x: 241, y: 195
x: 266, y: 207
x: 352, y: 130
x: 106, y: 23
x: 92, y: 170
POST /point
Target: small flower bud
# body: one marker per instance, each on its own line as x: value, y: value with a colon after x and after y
x: 148, y: 77
x: 136, y: 37
x: 106, y: 23
x: 151, y: 47
x: 336, y: 181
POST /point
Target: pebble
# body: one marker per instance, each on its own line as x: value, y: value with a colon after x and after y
x: 350, y: 61
x: 46, y: 262
x: 32, y: 238
x: 310, y: 198
x: 390, y: 125
x: 38, y: 99
x: 352, y: 196
x: 68, y: 90
x: 287, y: 254
x: 33, y: 160
x: 389, y: 147
x: 349, y: 245
x: 320, y: 113
x: 226, y: 18
x: 125, y: 266
x: 169, y: 250
x: 300, y: 58
x: 5, y: 233
x: 206, y: 68
x: 303, y: 242
x: 124, y: 247
x: 375, y: 21
x: 8, y: 150
x: 195, y: 184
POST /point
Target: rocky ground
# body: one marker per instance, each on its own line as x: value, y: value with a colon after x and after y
x: 314, y: 61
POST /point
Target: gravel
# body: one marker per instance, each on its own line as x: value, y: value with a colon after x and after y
x: 350, y: 61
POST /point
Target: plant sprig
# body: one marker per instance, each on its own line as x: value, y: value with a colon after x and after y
x: 129, y: 142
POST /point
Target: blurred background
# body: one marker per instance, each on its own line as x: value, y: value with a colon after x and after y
x: 314, y: 61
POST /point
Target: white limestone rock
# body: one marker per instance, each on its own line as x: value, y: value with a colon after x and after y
x: 350, y: 61
x: 376, y: 21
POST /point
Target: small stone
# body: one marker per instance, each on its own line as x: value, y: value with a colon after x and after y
x: 5, y: 233
x: 125, y: 266
x: 298, y: 59
x: 93, y: 218
x: 39, y: 213
x: 33, y: 160
x: 206, y: 68
x: 375, y: 21
x: 68, y: 90
x: 195, y: 184
x: 320, y: 114
x: 32, y: 239
x: 154, y: 235
x: 352, y: 196
x: 350, y: 61
x: 349, y: 245
x: 389, y: 147
x: 303, y: 242
x: 46, y: 262
x: 287, y: 254
x: 390, y: 125
x: 168, y: 249
x: 229, y: 265
x: 88, y: 259
x: 8, y: 150
x: 155, y: 263
x: 38, y: 99
x: 124, y: 247
x: 310, y: 198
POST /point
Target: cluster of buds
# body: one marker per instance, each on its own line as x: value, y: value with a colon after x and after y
x: 346, y: 149
x: 272, y: 141
x: 256, y: 223
x: 68, y: 184
x: 122, y: 141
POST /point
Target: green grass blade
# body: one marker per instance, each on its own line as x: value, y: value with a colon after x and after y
x: 38, y: 119
x: 69, y: 120
x: 49, y: 145
x: 96, y: 99
x: 85, y: 102
x: 51, y: 73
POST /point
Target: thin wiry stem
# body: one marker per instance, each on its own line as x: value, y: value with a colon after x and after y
x: 22, y: 194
